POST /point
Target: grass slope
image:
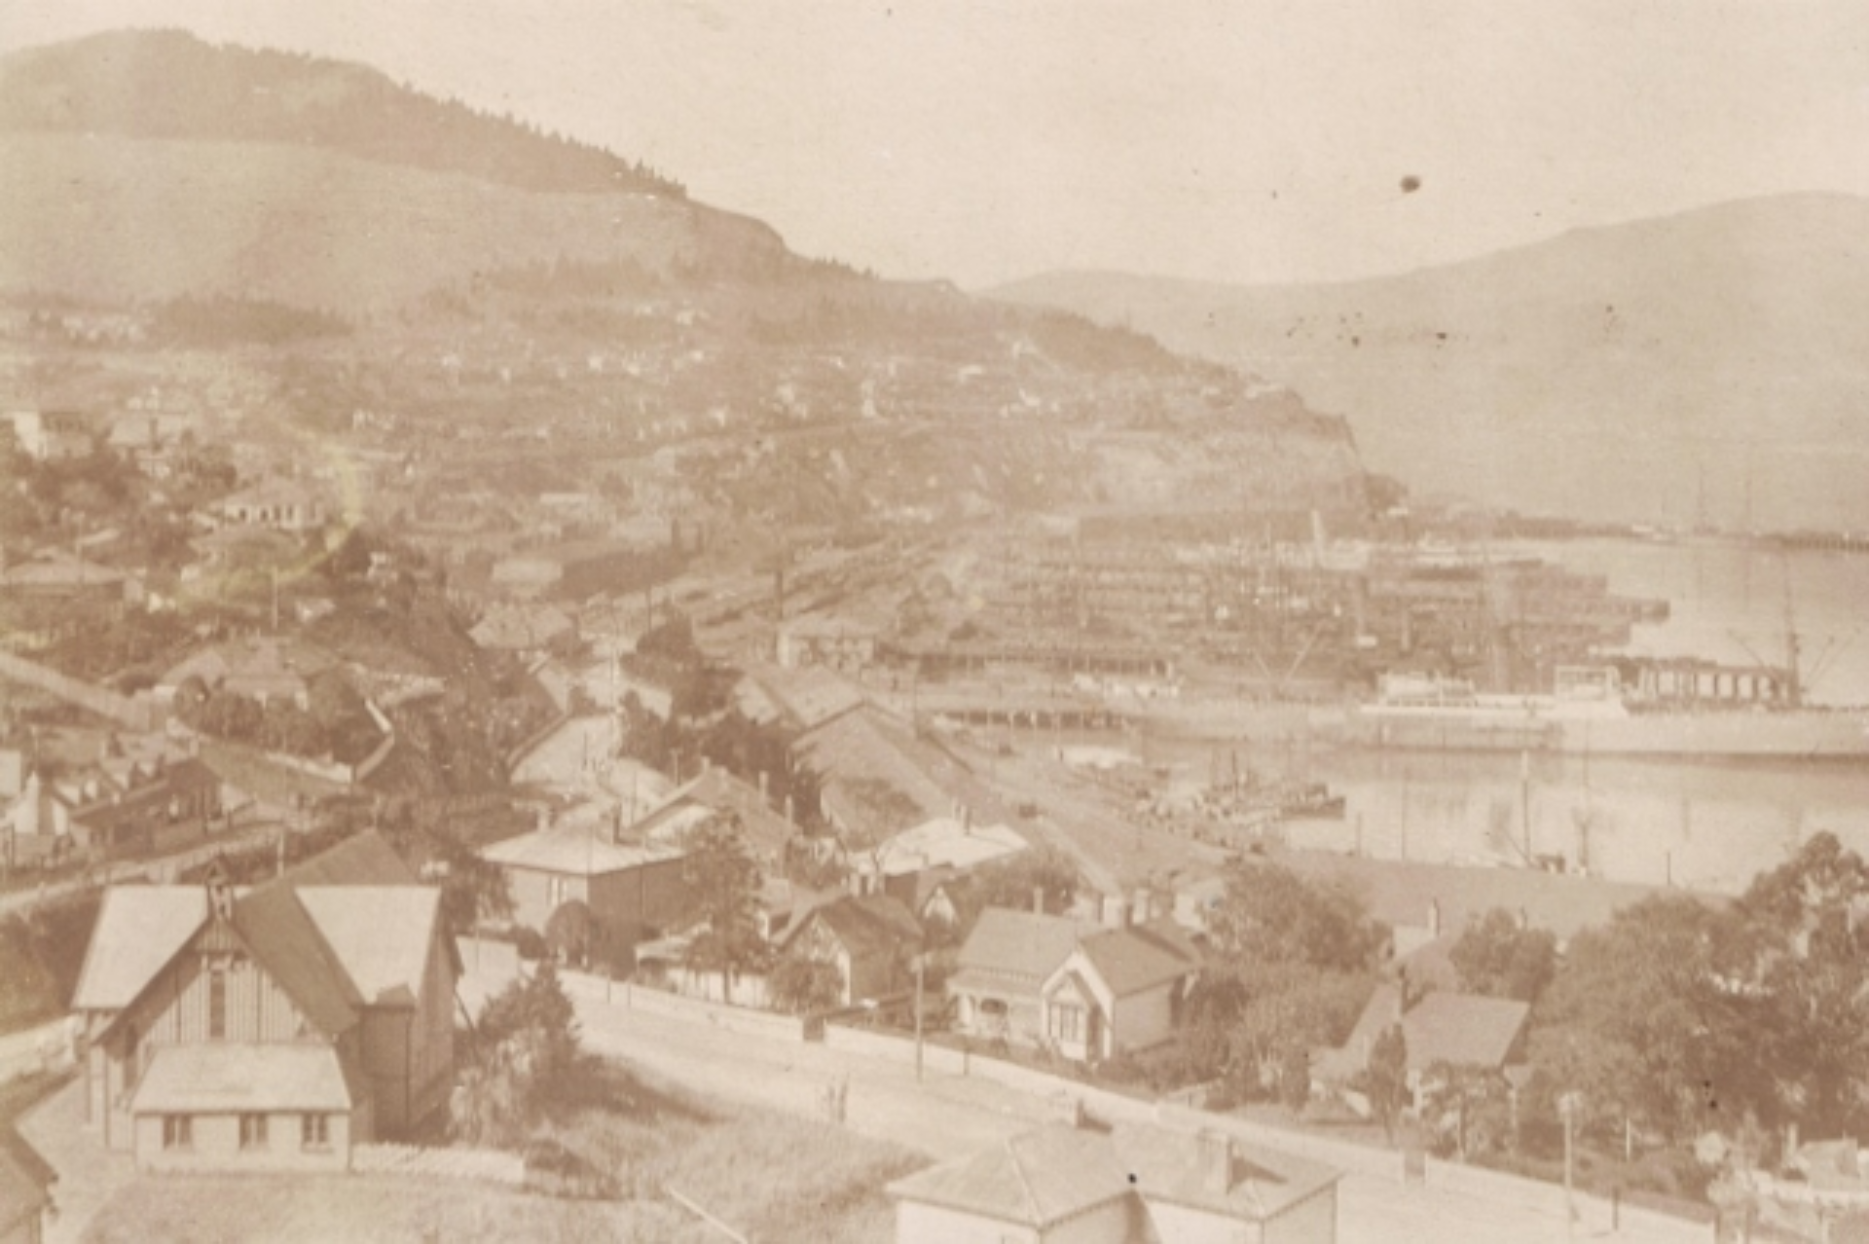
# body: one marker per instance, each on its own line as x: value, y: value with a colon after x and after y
x: 124, y: 219
x: 774, y: 1178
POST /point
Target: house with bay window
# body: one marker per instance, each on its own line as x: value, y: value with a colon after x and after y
x: 1088, y: 992
x: 273, y: 1027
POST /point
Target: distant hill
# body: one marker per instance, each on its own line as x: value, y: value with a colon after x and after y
x: 524, y: 309
x: 149, y: 165
x: 1708, y: 364
x: 125, y: 219
x: 169, y: 84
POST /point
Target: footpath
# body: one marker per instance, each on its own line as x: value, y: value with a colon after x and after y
x: 962, y: 1104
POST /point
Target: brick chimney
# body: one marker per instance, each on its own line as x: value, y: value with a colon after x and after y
x: 1434, y: 917
x: 1038, y: 900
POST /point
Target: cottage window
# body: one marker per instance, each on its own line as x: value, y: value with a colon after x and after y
x: 217, y: 1004
x: 132, y: 1060
x: 252, y: 1131
x: 178, y: 1131
x: 1067, y: 1022
x: 315, y: 1131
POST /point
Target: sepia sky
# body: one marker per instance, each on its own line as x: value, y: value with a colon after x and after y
x: 1234, y: 140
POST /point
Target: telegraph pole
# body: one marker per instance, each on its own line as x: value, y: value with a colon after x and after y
x: 1567, y: 1107
x: 921, y: 963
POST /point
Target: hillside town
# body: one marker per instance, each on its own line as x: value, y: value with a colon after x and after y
x: 706, y: 743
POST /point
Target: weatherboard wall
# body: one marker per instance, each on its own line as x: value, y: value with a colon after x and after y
x: 174, y: 1010
x: 214, y: 1145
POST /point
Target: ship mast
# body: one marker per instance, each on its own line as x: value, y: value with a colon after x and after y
x: 1794, y: 691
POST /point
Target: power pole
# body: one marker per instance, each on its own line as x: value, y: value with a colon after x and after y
x: 1567, y: 1106
x: 1525, y: 800
x: 921, y: 963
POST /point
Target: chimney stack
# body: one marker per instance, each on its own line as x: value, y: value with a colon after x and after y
x: 1434, y: 917
x: 1038, y: 900
x: 1216, y: 1162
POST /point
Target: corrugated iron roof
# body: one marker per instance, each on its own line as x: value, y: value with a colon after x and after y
x: 1019, y: 944
x: 225, y: 1078
x: 1173, y: 1167
x: 1033, y: 1180
x: 362, y: 859
x: 380, y: 934
x: 1134, y: 959
x: 139, y: 930
x: 578, y: 850
x: 1466, y: 1030
x: 871, y: 924
x: 285, y: 942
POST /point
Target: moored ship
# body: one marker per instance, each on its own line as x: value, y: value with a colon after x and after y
x: 1589, y: 712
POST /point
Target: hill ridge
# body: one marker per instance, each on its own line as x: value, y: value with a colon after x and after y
x: 1693, y: 367
x: 170, y: 84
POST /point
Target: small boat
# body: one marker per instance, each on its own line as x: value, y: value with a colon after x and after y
x: 1311, y: 802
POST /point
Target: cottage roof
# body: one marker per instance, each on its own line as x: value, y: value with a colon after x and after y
x: 869, y: 749
x: 273, y: 492
x: 871, y: 924
x: 233, y: 1077
x: 1034, y: 1180
x: 1017, y: 946
x: 716, y: 790
x: 344, y: 928
x: 1141, y: 957
x: 1466, y: 1030
x: 269, y: 665
x: 807, y: 696
x: 362, y: 859
x: 573, y: 849
x: 380, y: 934
x: 944, y: 842
x: 520, y: 627
x: 54, y: 569
x: 1170, y: 1166
x: 139, y: 930
x: 1402, y: 893
x: 286, y: 942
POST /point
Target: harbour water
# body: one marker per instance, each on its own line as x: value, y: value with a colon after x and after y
x: 1706, y: 826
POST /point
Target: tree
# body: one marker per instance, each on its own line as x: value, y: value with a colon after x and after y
x: 1652, y: 1012
x: 801, y: 985
x: 1800, y: 922
x: 1272, y: 915
x: 724, y: 878
x: 1046, y: 874
x: 1496, y: 957
x: 528, y: 1038
x: 1289, y: 1010
x: 671, y: 640
x: 1386, y: 1078
x: 473, y: 890
x: 568, y: 931
x: 1469, y: 1109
